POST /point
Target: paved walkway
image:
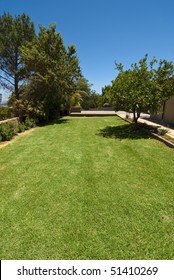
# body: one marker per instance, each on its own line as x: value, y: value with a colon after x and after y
x: 145, y: 118
x: 93, y: 113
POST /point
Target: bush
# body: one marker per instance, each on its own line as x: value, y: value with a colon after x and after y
x: 162, y: 131
x: 21, y: 127
x: 6, y: 113
x: 12, y: 128
x: 29, y: 123
x: 6, y: 131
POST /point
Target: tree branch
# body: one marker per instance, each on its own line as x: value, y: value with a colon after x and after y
x: 6, y: 80
x: 2, y: 69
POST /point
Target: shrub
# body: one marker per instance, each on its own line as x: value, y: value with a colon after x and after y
x: 29, y: 123
x: 14, y: 126
x: 6, y: 131
x: 25, y: 109
x: 21, y: 127
x: 162, y: 131
x: 6, y: 113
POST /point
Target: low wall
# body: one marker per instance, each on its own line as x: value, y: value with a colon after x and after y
x: 10, y: 120
x: 75, y: 109
x: 102, y: 109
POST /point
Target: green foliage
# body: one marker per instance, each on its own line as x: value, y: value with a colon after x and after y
x: 143, y: 87
x: 8, y: 130
x: 29, y: 123
x: 162, y: 131
x: 27, y: 109
x: 83, y: 86
x: 6, y: 113
x: 5, y: 132
x: 76, y: 99
x: 105, y: 100
x: 21, y: 127
x: 12, y: 128
x: 52, y: 71
x: 14, y: 33
x: 80, y: 95
x: 91, y: 101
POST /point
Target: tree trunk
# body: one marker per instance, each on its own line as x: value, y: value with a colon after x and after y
x: 138, y: 114
x: 163, y: 111
x: 16, y: 87
x: 16, y: 78
x: 134, y: 116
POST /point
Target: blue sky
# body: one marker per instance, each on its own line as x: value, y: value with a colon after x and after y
x: 105, y: 30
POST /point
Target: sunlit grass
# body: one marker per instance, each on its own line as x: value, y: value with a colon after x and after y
x: 86, y: 188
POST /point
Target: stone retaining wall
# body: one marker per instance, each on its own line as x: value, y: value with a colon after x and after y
x: 10, y: 120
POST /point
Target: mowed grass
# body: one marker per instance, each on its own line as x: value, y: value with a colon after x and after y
x: 87, y: 188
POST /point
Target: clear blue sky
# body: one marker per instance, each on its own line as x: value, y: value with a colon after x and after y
x: 105, y: 30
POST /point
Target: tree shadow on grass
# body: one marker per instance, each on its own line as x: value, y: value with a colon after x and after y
x: 61, y: 121
x: 58, y: 121
x: 127, y: 131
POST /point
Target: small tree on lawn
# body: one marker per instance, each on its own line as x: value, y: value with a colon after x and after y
x: 143, y: 87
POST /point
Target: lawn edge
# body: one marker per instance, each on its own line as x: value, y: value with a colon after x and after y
x: 154, y: 135
x: 15, y: 138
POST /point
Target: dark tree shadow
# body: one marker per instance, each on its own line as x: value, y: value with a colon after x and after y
x: 60, y: 120
x: 128, y: 131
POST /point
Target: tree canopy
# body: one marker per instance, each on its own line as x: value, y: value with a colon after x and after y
x: 14, y: 33
x: 145, y: 86
x: 52, y: 71
x: 44, y: 76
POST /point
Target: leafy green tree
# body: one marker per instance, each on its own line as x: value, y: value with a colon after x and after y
x: 81, y: 93
x: 94, y: 100
x: 14, y: 33
x: 52, y: 71
x: 84, y: 96
x: 83, y: 85
x: 91, y: 100
x: 143, y: 87
x: 105, y: 99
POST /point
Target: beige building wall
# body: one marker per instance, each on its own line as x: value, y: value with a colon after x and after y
x: 169, y: 110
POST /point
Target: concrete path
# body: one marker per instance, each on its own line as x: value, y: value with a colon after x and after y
x: 93, y: 113
x: 145, y: 118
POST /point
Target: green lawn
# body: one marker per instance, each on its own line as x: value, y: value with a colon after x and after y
x: 87, y: 188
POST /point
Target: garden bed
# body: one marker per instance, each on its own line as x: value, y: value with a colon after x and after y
x: 159, y: 134
x: 154, y: 131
